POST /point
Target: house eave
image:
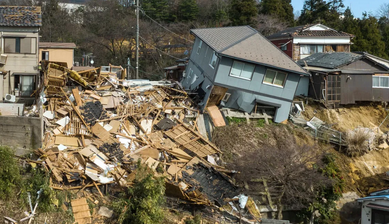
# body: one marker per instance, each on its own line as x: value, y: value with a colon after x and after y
x: 264, y: 64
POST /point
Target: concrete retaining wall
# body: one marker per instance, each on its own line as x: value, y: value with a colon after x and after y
x: 21, y: 133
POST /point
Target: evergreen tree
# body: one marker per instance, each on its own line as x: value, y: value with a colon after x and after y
x: 321, y: 11
x: 188, y: 10
x: 157, y: 9
x: 370, y: 39
x: 242, y: 12
x: 281, y: 9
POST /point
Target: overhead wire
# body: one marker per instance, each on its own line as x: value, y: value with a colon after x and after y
x: 163, y: 52
x: 143, y: 12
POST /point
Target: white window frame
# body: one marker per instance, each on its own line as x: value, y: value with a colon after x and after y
x: 213, y: 60
x: 226, y: 97
x: 379, y: 82
x: 239, y: 76
x: 272, y: 83
x: 199, y: 47
x: 309, y: 45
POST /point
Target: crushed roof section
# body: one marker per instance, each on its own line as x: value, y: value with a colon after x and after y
x: 25, y: 16
x: 57, y: 45
x: 330, y: 60
x: 300, y: 31
x: 244, y: 42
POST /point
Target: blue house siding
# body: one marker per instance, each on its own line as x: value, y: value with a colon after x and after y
x: 256, y: 83
x: 203, y: 58
x: 302, y: 88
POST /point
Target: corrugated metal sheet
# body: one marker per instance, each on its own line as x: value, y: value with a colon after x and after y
x: 244, y: 42
x: 26, y: 16
x: 330, y: 60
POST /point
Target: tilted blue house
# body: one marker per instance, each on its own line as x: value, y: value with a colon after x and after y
x: 236, y: 67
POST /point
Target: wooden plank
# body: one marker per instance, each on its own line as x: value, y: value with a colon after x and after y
x: 76, y: 96
x: 216, y: 115
x: 64, y: 140
x: 100, y: 132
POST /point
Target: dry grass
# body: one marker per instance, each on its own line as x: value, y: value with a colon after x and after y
x: 357, y: 143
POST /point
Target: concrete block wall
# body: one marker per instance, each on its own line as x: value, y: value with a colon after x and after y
x: 21, y: 133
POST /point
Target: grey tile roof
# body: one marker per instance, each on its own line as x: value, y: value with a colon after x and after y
x: 245, y: 43
x: 298, y: 31
x: 330, y: 60
x: 25, y: 16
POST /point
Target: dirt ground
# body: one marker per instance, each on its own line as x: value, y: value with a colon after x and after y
x: 369, y: 115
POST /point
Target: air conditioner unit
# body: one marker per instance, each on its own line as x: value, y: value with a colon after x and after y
x: 10, y: 98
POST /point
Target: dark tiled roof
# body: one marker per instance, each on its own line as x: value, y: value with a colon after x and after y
x: 330, y: 60
x: 298, y: 31
x: 245, y: 43
x: 20, y: 16
x: 57, y: 45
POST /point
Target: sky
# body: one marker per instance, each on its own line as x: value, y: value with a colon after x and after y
x: 357, y: 6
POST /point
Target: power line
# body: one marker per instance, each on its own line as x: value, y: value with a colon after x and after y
x: 159, y: 49
x: 165, y: 27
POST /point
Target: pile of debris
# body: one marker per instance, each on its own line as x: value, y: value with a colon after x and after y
x: 97, y: 131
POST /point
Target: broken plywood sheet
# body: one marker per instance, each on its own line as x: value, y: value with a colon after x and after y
x: 173, y: 169
x: 100, y: 132
x: 81, y: 211
x: 147, y: 125
x: 152, y: 163
x: 115, y: 126
x: 149, y: 152
x: 191, y: 140
x: 64, y: 140
x: 216, y: 115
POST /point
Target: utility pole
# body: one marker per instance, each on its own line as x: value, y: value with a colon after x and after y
x: 137, y: 40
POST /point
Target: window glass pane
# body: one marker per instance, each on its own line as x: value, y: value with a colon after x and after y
x: 248, y: 70
x: 376, y: 82
x: 269, y: 76
x: 199, y: 47
x: 237, y: 68
x: 384, y: 82
x: 280, y: 78
x: 9, y: 45
x: 213, y: 60
x: 304, y: 49
x: 25, y: 45
x: 27, y: 85
x: 319, y: 48
x: 312, y: 49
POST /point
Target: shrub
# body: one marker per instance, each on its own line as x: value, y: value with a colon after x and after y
x: 146, y: 199
x: 35, y: 180
x: 9, y: 172
x: 357, y: 142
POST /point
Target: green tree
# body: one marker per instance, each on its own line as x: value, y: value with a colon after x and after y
x: 157, y: 9
x: 281, y: 9
x: 321, y: 11
x: 9, y: 172
x: 384, y: 28
x: 369, y: 39
x: 146, y: 199
x: 242, y: 12
x: 188, y: 10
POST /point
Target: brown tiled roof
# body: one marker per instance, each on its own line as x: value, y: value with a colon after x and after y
x: 57, y: 45
x: 245, y: 43
x: 25, y: 16
x: 298, y: 31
